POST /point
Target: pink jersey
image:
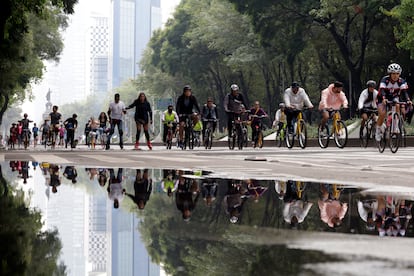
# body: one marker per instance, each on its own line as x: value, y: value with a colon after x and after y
x: 331, y: 100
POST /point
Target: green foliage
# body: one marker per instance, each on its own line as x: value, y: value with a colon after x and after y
x: 405, y: 30
x: 25, y: 248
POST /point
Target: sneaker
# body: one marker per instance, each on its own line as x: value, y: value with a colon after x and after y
x: 136, y: 145
x: 121, y: 146
x: 149, y: 145
x: 107, y: 147
x: 378, y: 134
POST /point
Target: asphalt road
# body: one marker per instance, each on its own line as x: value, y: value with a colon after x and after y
x: 351, y: 165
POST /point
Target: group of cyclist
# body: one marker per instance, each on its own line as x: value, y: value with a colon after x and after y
x: 392, y: 89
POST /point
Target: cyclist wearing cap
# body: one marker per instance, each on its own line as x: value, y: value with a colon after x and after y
x: 169, y: 116
x: 232, y: 105
x: 209, y: 112
x: 367, y: 103
x: 295, y: 98
x: 186, y: 105
x: 332, y: 98
x: 392, y: 88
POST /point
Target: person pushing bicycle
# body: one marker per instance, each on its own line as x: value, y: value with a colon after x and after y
x: 332, y: 98
x: 296, y: 99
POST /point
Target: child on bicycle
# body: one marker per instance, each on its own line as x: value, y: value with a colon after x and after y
x: 280, y: 118
x: 255, y: 122
x: 197, y: 125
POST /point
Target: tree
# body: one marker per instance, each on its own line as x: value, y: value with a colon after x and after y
x: 405, y: 31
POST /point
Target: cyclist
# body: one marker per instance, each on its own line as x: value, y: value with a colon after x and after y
x: 55, y: 118
x: 186, y: 104
x: 45, y: 129
x: 254, y: 121
x: 143, y: 116
x: 209, y: 112
x: 25, y: 127
x: 392, y: 87
x: 367, y: 103
x: 280, y: 117
x: 332, y: 98
x: 295, y: 98
x: 232, y: 105
x: 168, y: 117
x: 70, y: 124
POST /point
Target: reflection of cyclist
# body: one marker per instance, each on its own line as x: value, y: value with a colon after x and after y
x: 102, y: 176
x: 186, y: 105
x: 367, y: 103
x: 55, y: 179
x: 186, y: 196
x: 168, y: 183
x: 295, y: 98
x: 332, y: 211
x: 295, y: 208
x: 115, y: 190
x: 169, y: 119
x: 234, y: 200
x: 142, y: 188
x: 232, y: 105
x: 70, y: 173
x: 209, y: 191
x: 332, y: 98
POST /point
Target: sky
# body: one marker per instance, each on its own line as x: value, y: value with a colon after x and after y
x: 84, y: 7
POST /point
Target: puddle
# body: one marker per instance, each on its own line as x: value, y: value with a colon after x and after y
x: 123, y: 221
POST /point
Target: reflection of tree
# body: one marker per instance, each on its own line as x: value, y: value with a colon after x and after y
x: 24, y: 248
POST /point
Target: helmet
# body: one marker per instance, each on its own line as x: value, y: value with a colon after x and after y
x: 234, y: 87
x: 186, y: 87
x: 234, y: 219
x: 295, y: 84
x: 371, y: 83
x: 394, y: 68
x: 281, y: 105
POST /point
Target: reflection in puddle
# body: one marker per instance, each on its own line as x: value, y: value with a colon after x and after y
x: 193, y: 221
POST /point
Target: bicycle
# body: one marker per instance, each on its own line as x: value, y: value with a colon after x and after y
x: 392, y: 134
x: 54, y: 133
x: 208, y: 133
x: 368, y: 130
x: 280, y: 135
x: 103, y: 137
x: 258, y: 139
x: 300, y: 131
x: 93, y: 136
x: 188, y: 132
x: 236, y: 134
x: 338, y: 130
x: 170, y: 135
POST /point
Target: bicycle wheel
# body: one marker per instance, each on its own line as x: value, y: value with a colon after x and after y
x: 403, y: 135
x: 245, y: 138
x: 232, y: 140
x: 259, y: 139
x: 341, y: 135
x: 191, y: 140
x: 26, y: 142
x: 290, y: 140
x: 169, y: 139
x: 240, y: 139
x: 210, y: 139
x: 278, y: 139
x: 303, y: 134
x: 383, y: 142
x: 323, y: 136
x: 364, y: 136
x: 206, y: 138
x: 395, y: 134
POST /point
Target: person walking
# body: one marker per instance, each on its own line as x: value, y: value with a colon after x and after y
x: 116, y: 112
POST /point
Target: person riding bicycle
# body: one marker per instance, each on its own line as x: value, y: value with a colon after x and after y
x: 392, y: 88
x: 280, y: 117
x: 255, y: 121
x: 185, y: 106
x: 232, y: 105
x: 25, y: 126
x: 55, y: 118
x: 332, y: 98
x: 209, y: 112
x: 367, y: 103
x: 295, y: 98
x: 169, y: 118
x: 45, y: 129
x: 35, y: 131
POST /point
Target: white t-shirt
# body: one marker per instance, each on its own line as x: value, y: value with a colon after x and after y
x: 117, y: 110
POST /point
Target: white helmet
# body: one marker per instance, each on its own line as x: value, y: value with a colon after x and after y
x: 234, y: 87
x: 394, y: 68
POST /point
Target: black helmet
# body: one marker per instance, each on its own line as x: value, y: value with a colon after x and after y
x: 371, y: 83
x: 295, y: 84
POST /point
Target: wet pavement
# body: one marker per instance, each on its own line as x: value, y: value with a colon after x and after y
x: 140, y: 220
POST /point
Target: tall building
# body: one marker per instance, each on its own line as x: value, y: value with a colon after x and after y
x: 133, y: 22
